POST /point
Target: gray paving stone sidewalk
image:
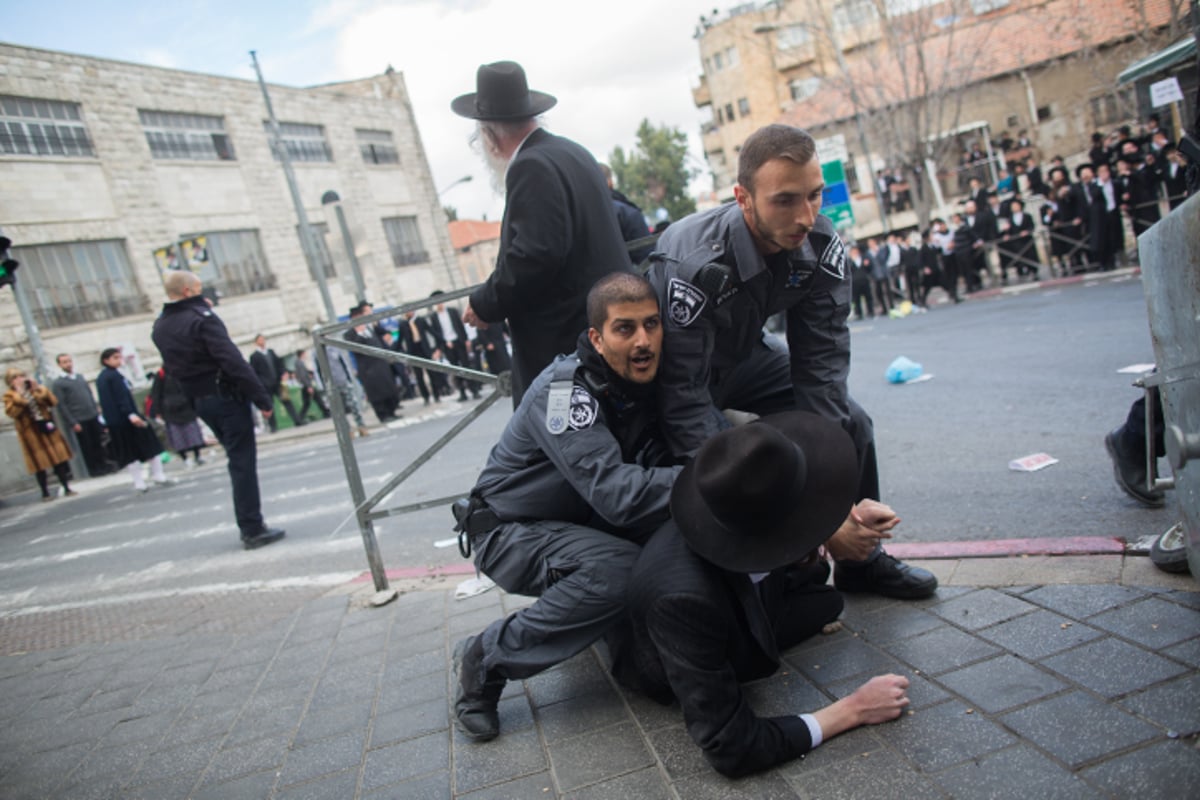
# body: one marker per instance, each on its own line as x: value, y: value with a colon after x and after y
x: 1054, y: 691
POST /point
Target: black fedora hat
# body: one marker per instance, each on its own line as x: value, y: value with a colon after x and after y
x: 502, y: 93
x: 765, y: 494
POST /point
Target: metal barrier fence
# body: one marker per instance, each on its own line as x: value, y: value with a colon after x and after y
x: 366, y: 509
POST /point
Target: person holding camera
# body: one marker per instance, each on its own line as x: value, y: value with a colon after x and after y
x: 29, y: 404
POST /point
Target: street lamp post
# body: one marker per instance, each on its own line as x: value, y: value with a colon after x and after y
x: 331, y: 198
x: 463, y: 179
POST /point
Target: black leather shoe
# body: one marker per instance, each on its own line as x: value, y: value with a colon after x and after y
x: 1130, y: 475
x: 886, y: 576
x: 263, y: 538
x: 477, y: 694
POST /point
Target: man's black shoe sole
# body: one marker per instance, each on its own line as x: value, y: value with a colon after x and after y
x: 255, y: 542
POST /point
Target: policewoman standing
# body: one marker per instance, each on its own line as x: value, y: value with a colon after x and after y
x: 197, y: 350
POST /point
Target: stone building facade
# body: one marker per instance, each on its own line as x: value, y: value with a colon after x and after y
x: 105, y: 165
x: 109, y: 169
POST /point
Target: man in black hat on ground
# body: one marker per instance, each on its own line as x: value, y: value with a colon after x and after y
x: 733, y: 580
x: 559, y: 234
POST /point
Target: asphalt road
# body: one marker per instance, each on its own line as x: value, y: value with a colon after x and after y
x: 1012, y: 376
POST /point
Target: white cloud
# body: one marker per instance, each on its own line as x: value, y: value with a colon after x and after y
x: 156, y: 57
x: 610, y: 65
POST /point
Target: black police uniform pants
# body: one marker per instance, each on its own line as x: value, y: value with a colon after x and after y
x: 233, y: 425
x: 579, y: 576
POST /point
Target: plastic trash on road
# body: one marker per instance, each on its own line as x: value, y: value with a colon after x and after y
x: 473, y: 586
x: 1032, y: 463
x: 903, y: 370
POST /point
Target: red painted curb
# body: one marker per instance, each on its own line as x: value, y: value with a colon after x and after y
x: 405, y: 573
x: 1008, y: 548
x: 992, y: 548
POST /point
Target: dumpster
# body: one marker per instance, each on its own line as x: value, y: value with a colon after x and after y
x: 1170, y: 258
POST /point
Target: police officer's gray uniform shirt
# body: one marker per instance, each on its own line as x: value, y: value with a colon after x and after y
x: 536, y: 473
x: 572, y: 505
x: 716, y: 291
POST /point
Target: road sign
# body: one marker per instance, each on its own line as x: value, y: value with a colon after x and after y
x: 835, y: 199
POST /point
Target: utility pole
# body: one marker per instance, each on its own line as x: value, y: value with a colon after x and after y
x: 307, y: 235
x: 41, y: 368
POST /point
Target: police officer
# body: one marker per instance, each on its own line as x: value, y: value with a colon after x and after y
x: 720, y: 274
x: 567, y: 495
x: 197, y: 350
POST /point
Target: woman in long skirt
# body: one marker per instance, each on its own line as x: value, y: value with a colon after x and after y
x: 169, y: 403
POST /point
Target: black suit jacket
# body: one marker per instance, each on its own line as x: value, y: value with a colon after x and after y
x: 559, y: 235
x: 434, y: 324
x: 697, y: 632
x: 269, y: 369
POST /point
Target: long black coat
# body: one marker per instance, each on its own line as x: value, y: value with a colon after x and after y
x: 558, y: 237
x: 696, y: 633
x: 376, y: 375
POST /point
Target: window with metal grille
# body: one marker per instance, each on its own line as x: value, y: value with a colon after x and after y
x: 323, y: 256
x: 377, y: 147
x: 195, y: 137
x: 743, y: 106
x: 804, y: 88
x: 1113, y: 107
x: 42, y: 128
x: 850, y: 14
x: 303, y: 142
x: 790, y: 36
x: 404, y: 240
x: 236, y: 263
x: 77, y: 282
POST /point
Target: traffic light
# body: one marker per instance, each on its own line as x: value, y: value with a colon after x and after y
x: 8, y: 266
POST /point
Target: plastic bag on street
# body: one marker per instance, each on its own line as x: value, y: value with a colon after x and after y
x: 903, y: 370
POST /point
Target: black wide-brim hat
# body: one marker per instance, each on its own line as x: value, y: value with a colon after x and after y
x: 765, y: 494
x: 502, y: 93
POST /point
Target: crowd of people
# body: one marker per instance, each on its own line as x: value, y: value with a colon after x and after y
x: 671, y: 481
x: 1035, y: 219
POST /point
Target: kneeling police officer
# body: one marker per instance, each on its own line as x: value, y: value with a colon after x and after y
x: 568, y: 494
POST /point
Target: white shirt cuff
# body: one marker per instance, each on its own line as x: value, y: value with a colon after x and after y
x: 814, y: 729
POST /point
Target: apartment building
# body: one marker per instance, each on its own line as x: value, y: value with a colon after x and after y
x: 841, y: 67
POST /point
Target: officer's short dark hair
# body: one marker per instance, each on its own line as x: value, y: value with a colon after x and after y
x: 771, y: 142
x: 616, y: 287
x: 108, y: 353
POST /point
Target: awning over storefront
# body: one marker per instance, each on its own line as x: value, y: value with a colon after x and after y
x: 1157, y: 62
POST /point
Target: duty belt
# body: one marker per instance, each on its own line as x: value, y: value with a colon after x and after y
x: 472, y: 518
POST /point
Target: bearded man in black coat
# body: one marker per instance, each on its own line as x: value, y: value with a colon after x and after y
x: 559, y: 234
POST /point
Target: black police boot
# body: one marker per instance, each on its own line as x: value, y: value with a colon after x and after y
x: 886, y: 576
x: 261, y: 539
x: 1130, y: 474
x: 477, y: 694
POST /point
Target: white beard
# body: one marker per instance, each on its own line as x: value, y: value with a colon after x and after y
x: 497, y: 165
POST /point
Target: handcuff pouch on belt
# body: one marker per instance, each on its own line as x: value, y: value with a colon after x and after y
x: 472, y: 518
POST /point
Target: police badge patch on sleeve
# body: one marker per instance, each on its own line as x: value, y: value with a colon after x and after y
x: 684, y: 302
x: 833, y: 260
x: 583, y: 409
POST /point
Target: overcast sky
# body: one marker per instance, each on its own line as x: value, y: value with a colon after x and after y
x: 610, y: 64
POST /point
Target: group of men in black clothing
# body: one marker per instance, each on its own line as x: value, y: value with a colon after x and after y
x: 439, y: 335
x: 1125, y: 176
